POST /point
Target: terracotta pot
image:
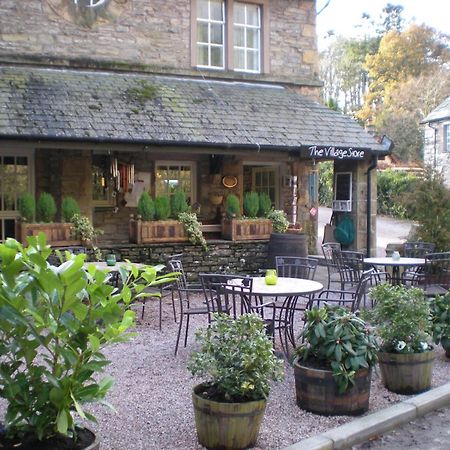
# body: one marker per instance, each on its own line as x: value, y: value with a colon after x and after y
x: 406, y: 373
x: 227, y: 426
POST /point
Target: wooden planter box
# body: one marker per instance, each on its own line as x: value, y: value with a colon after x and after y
x: 143, y: 232
x: 246, y: 229
x: 58, y: 234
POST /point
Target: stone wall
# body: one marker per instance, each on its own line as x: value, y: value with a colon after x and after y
x: 152, y: 34
x: 435, y: 155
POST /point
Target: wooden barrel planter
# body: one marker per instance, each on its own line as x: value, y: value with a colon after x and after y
x: 227, y: 426
x: 408, y: 373
x: 286, y: 244
x: 318, y: 392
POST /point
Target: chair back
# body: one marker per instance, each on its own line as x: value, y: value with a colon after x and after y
x: 328, y: 250
x: 236, y: 295
x: 296, y: 267
x: 418, y: 249
x: 350, y: 266
x: 437, y: 271
x: 177, y: 266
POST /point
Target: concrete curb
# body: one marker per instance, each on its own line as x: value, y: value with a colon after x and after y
x: 379, y: 422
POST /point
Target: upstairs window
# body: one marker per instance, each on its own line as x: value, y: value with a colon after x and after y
x: 229, y: 35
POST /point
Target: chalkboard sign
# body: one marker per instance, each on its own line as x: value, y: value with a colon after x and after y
x: 343, y: 186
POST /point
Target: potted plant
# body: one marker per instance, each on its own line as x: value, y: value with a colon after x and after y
x: 69, y: 207
x: 403, y: 322
x: 249, y: 227
x: 55, y: 324
x: 236, y: 356
x: 333, y: 364
x: 87, y: 234
x: 440, y: 313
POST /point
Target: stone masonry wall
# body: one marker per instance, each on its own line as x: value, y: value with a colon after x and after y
x: 154, y: 34
x: 437, y: 157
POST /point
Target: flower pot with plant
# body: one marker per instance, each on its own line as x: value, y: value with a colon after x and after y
x: 236, y: 356
x: 333, y: 363
x: 55, y: 324
x: 440, y: 313
x: 402, y: 319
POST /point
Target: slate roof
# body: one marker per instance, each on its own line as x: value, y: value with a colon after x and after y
x: 39, y: 103
x: 442, y: 112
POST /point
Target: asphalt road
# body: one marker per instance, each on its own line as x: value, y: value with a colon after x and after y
x: 389, y: 230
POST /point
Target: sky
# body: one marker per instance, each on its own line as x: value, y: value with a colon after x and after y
x: 342, y: 15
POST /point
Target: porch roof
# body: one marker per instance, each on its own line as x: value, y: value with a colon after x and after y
x: 112, y: 107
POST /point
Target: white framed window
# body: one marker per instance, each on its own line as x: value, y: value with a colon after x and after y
x: 211, y: 34
x: 247, y: 37
x: 171, y: 176
x: 265, y: 179
x: 447, y: 137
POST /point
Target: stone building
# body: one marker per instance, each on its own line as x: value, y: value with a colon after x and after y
x: 102, y: 99
x: 436, y: 151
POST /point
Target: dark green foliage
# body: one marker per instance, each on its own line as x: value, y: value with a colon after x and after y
x: 162, y: 207
x: 178, y: 203
x: 232, y: 206
x: 251, y: 204
x: 69, y: 207
x: 45, y: 208
x: 326, y: 183
x: 146, y: 207
x: 265, y: 204
x: 340, y: 340
x: 193, y: 229
x: 440, y: 313
x: 27, y: 206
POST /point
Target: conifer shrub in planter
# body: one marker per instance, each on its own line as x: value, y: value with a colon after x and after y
x: 265, y: 204
x: 178, y: 204
x: 55, y: 323
x: 333, y: 362
x: 251, y: 204
x: 162, y: 207
x: 27, y: 207
x: 146, y: 207
x: 69, y: 207
x: 236, y: 356
x: 402, y: 319
x: 45, y: 208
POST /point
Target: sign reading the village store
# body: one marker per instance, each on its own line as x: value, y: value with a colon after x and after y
x: 323, y: 152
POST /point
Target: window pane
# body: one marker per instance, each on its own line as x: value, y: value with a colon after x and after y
x: 202, y: 32
x: 202, y: 55
x: 239, y: 58
x: 239, y: 37
x: 216, y: 56
x: 202, y: 9
x: 252, y: 38
x: 239, y: 13
x: 216, y: 10
x: 216, y: 34
x: 252, y: 60
x: 253, y: 15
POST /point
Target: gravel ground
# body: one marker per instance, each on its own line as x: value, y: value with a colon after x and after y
x: 152, y: 395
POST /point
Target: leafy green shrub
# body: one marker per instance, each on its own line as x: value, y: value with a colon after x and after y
x: 265, y: 204
x: 232, y: 206
x: 279, y: 220
x: 45, y: 208
x: 402, y: 318
x: 85, y: 231
x: 440, y: 313
x: 251, y: 204
x: 146, y: 207
x: 178, y: 203
x: 193, y: 229
x: 162, y: 207
x: 238, y: 358
x: 27, y: 206
x: 55, y: 324
x: 326, y: 183
x: 69, y: 207
x: 336, y: 339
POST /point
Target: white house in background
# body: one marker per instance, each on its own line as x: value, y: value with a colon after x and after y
x: 437, y: 139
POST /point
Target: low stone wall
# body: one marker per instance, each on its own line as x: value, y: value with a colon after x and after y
x: 221, y: 256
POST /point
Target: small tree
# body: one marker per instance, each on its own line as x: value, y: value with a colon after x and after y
x: 27, y: 206
x: 251, y: 204
x: 265, y: 204
x: 178, y: 203
x: 46, y: 208
x: 232, y: 206
x: 69, y: 207
x: 146, y: 207
x: 162, y: 207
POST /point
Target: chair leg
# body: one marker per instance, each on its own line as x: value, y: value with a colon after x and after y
x: 179, y: 334
x: 187, y: 329
x: 173, y: 306
x: 143, y: 308
x: 160, y: 313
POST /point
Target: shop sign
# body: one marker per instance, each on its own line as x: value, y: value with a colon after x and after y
x: 332, y: 152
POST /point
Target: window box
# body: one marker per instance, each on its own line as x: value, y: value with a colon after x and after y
x: 246, y: 229
x: 156, y: 231
x: 58, y: 234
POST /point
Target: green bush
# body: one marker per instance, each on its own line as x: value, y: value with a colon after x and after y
x: 232, y: 206
x: 146, y: 207
x: 265, y: 204
x: 193, y: 229
x: 440, y: 313
x: 162, y: 207
x: 27, y: 206
x: 238, y: 358
x: 69, y: 207
x: 45, y: 208
x: 178, y: 203
x: 279, y: 220
x: 251, y: 204
x: 326, y: 183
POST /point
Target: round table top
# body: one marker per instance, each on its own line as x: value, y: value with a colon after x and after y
x: 388, y: 261
x: 285, y: 286
x: 101, y: 265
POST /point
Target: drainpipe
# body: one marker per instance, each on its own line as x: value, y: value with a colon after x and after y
x: 373, y: 165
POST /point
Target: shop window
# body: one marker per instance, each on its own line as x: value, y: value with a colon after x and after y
x: 173, y: 176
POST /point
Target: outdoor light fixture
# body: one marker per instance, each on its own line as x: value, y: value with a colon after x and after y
x: 387, y: 143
